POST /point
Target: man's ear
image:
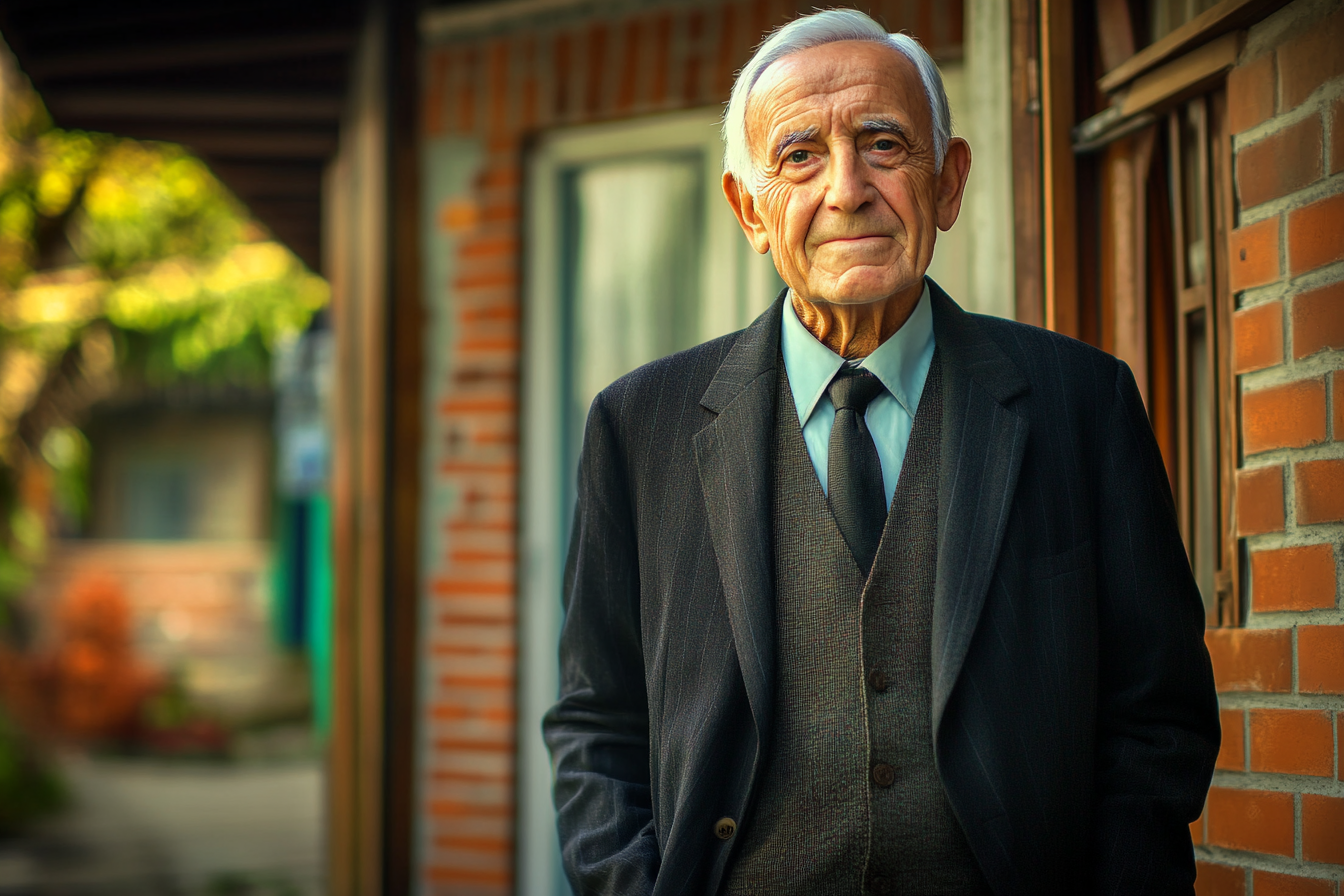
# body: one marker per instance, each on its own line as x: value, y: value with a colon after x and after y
x: 951, y: 185
x: 744, y: 206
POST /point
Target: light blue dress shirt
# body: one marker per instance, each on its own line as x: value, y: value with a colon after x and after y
x: 901, y: 363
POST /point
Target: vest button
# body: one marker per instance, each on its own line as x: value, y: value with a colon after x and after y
x: 724, y: 828
x: 878, y: 679
x: 879, y: 886
x: 883, y: 774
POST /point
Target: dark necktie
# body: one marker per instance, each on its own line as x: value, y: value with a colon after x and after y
x: 854, y: 473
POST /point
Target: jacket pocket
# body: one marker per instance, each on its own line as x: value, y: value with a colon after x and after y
x: 1076, y: 558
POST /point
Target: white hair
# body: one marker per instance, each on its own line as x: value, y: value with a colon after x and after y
x: 826, y: 27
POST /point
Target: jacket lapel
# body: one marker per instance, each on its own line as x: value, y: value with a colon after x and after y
x: 733, y: 455
x: 983, y: 440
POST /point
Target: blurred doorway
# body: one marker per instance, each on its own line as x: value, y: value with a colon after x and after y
x: 632, y: 254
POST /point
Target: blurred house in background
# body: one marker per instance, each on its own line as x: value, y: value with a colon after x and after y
x: 515, y: 202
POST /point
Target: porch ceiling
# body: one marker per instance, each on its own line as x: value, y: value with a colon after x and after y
x: 255, y: 87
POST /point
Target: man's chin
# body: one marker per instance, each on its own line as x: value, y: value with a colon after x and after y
x: 866, y: 294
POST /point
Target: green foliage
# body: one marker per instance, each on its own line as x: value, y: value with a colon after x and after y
x: 146, y: 202
x: 28, y: 790
x: 66, y: 451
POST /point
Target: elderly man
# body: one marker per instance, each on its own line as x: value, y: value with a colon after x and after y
x: 875, y: 596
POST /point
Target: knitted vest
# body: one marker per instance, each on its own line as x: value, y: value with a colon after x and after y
x: 851, y: 801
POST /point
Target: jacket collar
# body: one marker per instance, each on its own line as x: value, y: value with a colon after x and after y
x: 983, y: 441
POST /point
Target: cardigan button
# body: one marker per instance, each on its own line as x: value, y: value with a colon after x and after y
x: 878, y: 680
x: 883, y: 774
x: 724, y: 828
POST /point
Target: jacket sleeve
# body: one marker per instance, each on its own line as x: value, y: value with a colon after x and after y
x: 1158, y: 730
x: 598, y: 732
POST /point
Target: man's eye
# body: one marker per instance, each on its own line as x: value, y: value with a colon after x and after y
x: 798, y: 156
x: 884, y: 145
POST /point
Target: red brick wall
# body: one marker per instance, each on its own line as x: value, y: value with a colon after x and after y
x: 1274, y: 821
x: 501, y: 89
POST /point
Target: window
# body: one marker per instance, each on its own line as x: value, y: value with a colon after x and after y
x: 1199, y: 154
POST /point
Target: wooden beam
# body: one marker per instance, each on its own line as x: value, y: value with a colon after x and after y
x: 236, y: 143
x: 1230, y: 15
x: 166, y: 57
x: 271, y: 180
x: 1059, y: 232
x: 1029, y: 290
x: 1182, y: 76
x: 161, y: 105
x: 1115, y: 32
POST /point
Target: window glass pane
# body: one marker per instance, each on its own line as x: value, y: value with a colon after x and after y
x: 634, y: 235
x: 1194, y: 199
x: 1203, y: 461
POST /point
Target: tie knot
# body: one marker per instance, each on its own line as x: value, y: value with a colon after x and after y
x: 853, y: 388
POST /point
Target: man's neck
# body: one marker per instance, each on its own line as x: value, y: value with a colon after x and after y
x: 855, y: 331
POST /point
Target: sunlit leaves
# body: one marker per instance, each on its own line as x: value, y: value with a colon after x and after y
x: 151, y: 201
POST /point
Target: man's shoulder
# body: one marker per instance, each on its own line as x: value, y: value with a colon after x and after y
x: 1047, y: 359
x: 683, y: 375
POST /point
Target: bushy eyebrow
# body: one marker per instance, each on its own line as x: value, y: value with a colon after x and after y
x: 885, y: 125
x: 791, y: 138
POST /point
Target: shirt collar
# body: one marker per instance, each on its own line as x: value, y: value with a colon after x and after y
x: 901, y: 363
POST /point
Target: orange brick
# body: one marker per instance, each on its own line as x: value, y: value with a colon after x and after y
x: 1250, y: 93
x: 1219, y: 880
x: 1267, y: 883
x: 1251, y: 659
x: 1197, y: 829
x: 1232, y: 750
x: 1292, y: 742
x: 1253, y: 253
x: 1257, y: 337
x: 1280, y: 164
x: 1287, y: 416
x: 1337, y: 144
x: 1253, y: 820
x: 1293, y: 579
x: 1316, y: 234
x: 1337, y: 390
x: 1260, y: 501
x: 1310, y: 59
x: 1322, y: 828
x: 1320, y: 491
x: 1318, y: 317
x: 1320, y: 659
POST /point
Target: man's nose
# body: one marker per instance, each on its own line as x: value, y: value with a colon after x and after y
x: 849, y: 189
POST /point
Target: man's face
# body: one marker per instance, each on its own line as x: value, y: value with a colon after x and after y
x: 848, y: 197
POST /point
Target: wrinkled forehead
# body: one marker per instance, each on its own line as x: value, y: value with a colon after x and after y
x: 844, y: 78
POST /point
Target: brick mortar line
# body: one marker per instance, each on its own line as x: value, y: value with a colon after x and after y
x: 1274, y: 782
x: 1297, y: 826
x: 1318, y: 102
x: 1313, y: 366
x: 1322, y: 188
x: 1244, y: 701
x: 1289, y: 288
x: 1287, y: 23
x: 1269, y: 457
x: 1221, y: 855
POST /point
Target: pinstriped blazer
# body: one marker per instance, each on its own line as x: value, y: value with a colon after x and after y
x: 1075, y: 720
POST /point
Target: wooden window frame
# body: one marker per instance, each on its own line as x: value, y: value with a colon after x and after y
x: 1212, y: 300
x: 1147, y: 308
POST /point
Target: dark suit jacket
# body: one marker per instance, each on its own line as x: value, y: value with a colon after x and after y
x: 1075, y: 719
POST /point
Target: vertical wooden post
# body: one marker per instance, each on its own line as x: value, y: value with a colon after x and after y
x: 357, y: 265
x: 1059, y: 238
x: 1026, y: 135
x: 403, y: 448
